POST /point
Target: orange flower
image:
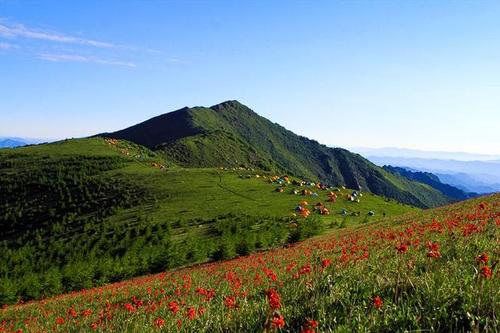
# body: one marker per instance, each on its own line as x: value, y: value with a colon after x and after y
x: 278, y: 321
x: 174, y: 307
x: 159, y: 322
x: 129, y: 307
x: 402, y: 248
x: 72, y: 313
x: 191, y: 313
x: 486, y: 272
x: 434, y: 254
x: 377, y: 302
x: 274, y: 299
x: 86, y: 312
x: 230, y: 302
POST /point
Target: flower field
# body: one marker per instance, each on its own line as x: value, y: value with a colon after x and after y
x: 436, y: 270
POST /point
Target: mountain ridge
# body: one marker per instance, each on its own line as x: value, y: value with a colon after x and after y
x: 231, y: 134
x: 433, y: 180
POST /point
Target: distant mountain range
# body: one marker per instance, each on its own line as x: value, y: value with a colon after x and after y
x: 470, y: 176
x: 12, y: 142
x: 432, y: 180
x: 231, y: 134
x: 424, y: 154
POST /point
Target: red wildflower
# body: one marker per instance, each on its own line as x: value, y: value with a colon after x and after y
x: 402, y: 248
x: 270, y: 274
x: 377, y: 302
x: 230, y: 302
x: 274, y: 299
x: 60, y: 321
x: 191, y: 313
x: 159, y: 322
x: 434, y: 254
x: 72, y: 313
x: 278, y: 321
x: 469, y: 229
x: 86, y: 312
x: 432, y: 246
x: 290, y: 266
x: 309, y: 326
x: 305, y: 269
x: 483, y: 258
x: 486, y: 272
x: 325, y: 263
x: 174, y: 307
x: 129, y: 307
x: 137, y: 302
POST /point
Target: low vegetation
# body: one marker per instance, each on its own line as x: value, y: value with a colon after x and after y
x: 82, y: 213
x: 436, y: 270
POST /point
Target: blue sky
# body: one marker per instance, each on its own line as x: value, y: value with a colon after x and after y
x: 414, y: 74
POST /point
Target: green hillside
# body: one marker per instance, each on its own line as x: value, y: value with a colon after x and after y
x: 230, y: 134
x: 79, y: 213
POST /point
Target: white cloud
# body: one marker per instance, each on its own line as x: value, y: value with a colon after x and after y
x: 80, y: 58
x: 21, y: 31
x: 58, y: 47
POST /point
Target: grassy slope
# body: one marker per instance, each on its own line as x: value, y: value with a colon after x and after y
x: 231, y: 134
x: 333, y: 280
x: 187, y: 193
x: 103, y: 213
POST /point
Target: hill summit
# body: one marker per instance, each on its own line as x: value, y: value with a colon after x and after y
x: 231, y: 134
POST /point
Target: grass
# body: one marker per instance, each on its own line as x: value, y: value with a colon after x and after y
x: 231, y: 135
x: 101, y: 211
x: 434, y: 270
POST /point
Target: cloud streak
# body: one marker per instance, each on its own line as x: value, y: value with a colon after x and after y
x: 21, y: 31
x: 85, y: 59
x: 54, y: 46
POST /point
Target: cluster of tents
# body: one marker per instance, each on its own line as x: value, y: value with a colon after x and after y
x: 114, y: 142
x: 303, y: 210
x: 354, y: 196
x: 240, y: 168
x: 158, y: 166
x: 111, y: 141
x: 332, y: 197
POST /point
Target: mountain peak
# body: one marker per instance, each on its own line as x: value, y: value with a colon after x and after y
x: 231, y: 134
x: 227, y: 104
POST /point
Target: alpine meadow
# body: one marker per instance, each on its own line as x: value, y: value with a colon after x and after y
x: 122, y: 211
